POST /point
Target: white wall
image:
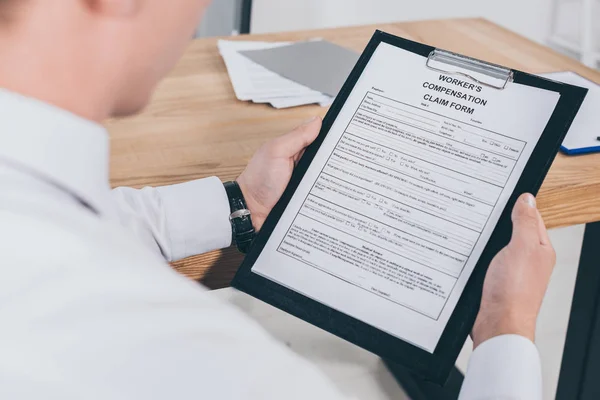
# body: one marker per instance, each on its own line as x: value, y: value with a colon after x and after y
x: 221, y: 18
x: 530, y: 18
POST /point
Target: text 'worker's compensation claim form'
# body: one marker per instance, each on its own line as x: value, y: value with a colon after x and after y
x: 403, y: 195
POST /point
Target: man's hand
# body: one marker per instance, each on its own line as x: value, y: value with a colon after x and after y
x: 269, y: 172
x: 517, y: 279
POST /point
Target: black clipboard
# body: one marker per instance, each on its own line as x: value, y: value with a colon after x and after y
x: 437, y: 366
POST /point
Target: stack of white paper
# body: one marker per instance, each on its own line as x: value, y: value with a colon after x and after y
x: 252, y: 82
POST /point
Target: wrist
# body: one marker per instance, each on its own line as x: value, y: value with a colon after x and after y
x: 489, y: 327
x: 258, y: 214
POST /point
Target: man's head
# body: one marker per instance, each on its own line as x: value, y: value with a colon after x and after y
x: 98, y: 58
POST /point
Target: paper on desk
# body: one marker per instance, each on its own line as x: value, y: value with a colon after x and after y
x: 252, y: 82
x: 582, y: 137
x: 322, y: 100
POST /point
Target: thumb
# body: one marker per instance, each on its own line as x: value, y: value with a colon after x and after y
x: 297, y: 140
x: 526, y: 220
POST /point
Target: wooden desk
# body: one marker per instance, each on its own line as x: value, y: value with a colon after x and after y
x: 196, y: 128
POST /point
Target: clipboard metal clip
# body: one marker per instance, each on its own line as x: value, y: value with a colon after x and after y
x: 501, y: 76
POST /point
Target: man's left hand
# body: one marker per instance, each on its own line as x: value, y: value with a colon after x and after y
x: 270, y: 170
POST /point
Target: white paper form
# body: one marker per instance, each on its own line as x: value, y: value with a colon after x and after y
x: 404, y: 193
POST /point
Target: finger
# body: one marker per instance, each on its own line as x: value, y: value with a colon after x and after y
x: 290, y: 144
x: 544, y: 238
x: 526, y: 220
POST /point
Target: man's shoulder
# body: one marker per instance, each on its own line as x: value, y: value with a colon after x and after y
x: 35, y: 233
x: 32, y: 225
x: 46, y: 247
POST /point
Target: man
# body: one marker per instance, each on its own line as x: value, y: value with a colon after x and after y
x: 89, y: 307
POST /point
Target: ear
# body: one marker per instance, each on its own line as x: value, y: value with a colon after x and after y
x: 114, y: 8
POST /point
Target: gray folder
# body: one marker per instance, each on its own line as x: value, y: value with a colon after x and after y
x: 319, y: 65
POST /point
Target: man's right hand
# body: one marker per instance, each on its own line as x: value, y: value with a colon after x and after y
x: 517, y: 278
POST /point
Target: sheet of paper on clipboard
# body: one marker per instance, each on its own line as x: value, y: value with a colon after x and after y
x: 416, y: 174
x: 400, y: 200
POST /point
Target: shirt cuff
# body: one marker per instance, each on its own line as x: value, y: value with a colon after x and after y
x: 504, y: 367
x: 197, y: 217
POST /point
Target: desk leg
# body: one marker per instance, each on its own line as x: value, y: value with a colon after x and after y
x: 580, y: 370
x: 417, y: 389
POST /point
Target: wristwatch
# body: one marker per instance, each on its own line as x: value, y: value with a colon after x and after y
x: 243, y: 232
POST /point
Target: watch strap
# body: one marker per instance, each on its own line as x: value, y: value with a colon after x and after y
x: 243, y: 232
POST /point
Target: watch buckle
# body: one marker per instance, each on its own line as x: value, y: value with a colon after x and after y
x: 239, y: 214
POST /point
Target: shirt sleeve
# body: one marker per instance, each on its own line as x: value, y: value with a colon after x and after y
x: 182, y: 220
x: 505, y: 367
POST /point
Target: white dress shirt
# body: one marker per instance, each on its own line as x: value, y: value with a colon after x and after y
x: 90, y: 309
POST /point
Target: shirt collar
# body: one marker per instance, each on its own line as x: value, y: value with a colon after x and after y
x: 56, y: 146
